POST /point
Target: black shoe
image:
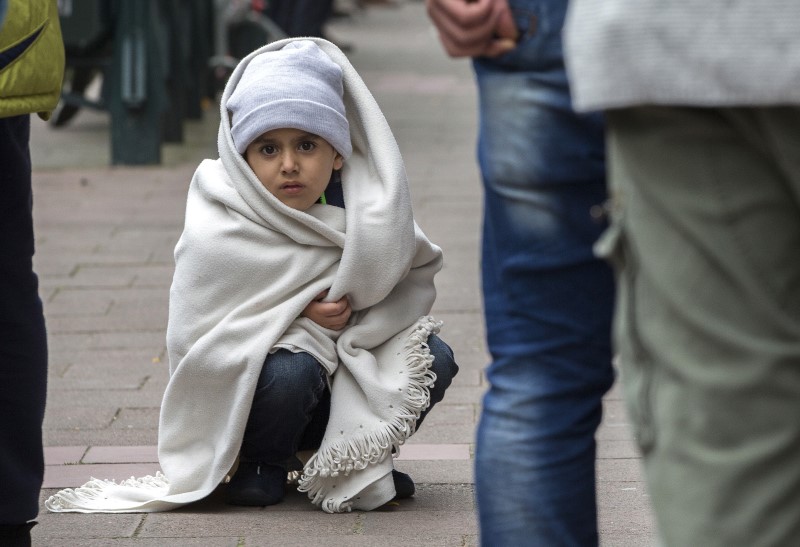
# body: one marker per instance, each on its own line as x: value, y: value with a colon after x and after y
x: 257, y: 485
x: 403, y: 485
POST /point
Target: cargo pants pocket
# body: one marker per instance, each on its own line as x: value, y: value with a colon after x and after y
x: 635, y: 365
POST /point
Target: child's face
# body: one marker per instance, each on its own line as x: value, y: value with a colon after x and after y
x: 294, y: 165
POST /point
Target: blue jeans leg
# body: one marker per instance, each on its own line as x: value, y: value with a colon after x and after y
x: 548, y: 301
x: 288, y: 394
x: 445, y: 367
x: 291, y: 405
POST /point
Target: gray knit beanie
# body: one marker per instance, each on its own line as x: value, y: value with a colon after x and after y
x: 296, y: 87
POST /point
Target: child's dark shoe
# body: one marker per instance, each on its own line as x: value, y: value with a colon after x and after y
x: 257, y: 485
x: 403, y: 485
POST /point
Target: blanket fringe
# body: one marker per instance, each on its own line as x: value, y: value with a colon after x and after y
x: 356, y: 453
x: 77, y: 498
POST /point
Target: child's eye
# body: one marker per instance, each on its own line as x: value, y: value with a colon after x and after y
x: 307, y: 146
x: 268, y: 149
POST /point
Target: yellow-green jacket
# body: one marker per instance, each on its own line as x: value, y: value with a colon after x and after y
x: 31, y: 58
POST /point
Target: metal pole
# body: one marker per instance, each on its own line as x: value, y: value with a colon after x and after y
x: 137, y: 91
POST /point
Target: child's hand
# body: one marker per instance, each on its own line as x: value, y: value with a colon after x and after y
x: 330, y: 315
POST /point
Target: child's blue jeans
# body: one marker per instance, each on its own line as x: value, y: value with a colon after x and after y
x: 292, y: 403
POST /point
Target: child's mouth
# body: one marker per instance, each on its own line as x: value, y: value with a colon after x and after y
x: 292, y: 187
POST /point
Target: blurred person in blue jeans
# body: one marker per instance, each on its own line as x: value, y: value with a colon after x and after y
x: 31, y: 68
x: 548, y: 300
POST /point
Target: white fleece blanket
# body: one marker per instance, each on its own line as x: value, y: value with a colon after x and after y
x: 246, y: 267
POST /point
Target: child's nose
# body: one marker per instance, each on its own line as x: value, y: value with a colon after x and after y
x: 289, y: 162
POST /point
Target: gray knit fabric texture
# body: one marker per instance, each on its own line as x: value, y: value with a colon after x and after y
x: 683, y: 52
x: 296, y: 87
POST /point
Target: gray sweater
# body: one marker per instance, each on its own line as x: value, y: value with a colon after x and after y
x: 683, y: 52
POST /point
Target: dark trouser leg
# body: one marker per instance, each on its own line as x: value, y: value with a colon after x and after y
x: 289, y: 390
x: 445, y: 368
x: 301, y: 18
x: 23, y: 341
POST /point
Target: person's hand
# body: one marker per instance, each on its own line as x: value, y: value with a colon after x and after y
x: 474, y: 28
x: 330, y: 315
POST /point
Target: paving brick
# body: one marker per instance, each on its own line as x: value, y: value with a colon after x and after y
x: 105, y: 437
x: 614, y: 411
x: 470, y: 352
x: 57, y: 342
x: 435, y: 523
x: 91, y: 275
x: 121, y: 454
x: 619, y: 470
x: 620, y: 517
x: 82, y: 529
x: 144, y: 238
x: 436, y: 497
x: 614, y: 432
x: 77, y: 417
x: 136, y: 418
x: 73, y: 476
x: 438, y: 471
x: 70, y: 302
x: 154, y: 340
x: 410, y: 451
x: 155, y: 275
x: 467, y: 394
x: 224, y: 521
x: 453, y: 297
x: 110, y: 375
x: 456, y: 540
x: 615, y: 393
x: 451, y: 434
x: 134, y: 358
x: 55, y: 266
x: 145, y: 304
x: 64, y: 455
x: 623, y: 449
x: 467, y: 377
x: 444, y: 414
x: 145, y: 542
x: 115, y: 321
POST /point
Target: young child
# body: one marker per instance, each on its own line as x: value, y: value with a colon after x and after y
x: 298, y: 309
x: 295, y: 137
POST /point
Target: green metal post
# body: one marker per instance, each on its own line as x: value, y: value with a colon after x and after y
x: 137, y: 91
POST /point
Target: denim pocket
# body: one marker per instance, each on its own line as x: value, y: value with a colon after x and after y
x: 636, y: 366
x: 539, y: 25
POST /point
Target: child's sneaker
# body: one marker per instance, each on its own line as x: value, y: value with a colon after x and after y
x: 257, y: 484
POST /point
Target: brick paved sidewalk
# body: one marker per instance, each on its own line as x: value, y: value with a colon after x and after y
x: 105, y: 238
